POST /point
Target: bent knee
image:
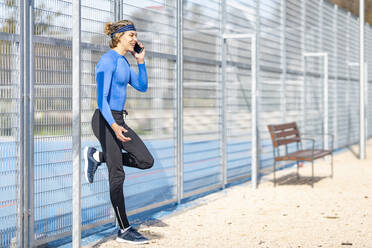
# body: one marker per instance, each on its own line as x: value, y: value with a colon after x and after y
x: 147, y: 164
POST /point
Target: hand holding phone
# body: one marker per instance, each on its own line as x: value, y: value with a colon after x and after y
x: 139, y: 52
x: 137, y: 48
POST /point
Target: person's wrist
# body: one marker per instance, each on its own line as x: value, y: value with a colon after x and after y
x: 140, y: 61
x: 114, y: 125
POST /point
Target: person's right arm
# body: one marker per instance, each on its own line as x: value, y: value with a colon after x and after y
x: 104, y: 71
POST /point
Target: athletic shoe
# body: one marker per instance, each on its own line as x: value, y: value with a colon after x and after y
x: 90, y: 164
x: 131, y: 236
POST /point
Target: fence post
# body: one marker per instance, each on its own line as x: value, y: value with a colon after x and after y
x: 31, y: 128
x: 303, y: 64
x: 283, y: 60
x: 76, y: 125
x: 366, y: 101
x: 362, y: 141
x: 28, y: 165
x: 223, y: 96
x: 335, y: 42
x: 348, y: 75
x: 255, y: 149
x: 179, y: 102
x: 21, y: 222
x: 116, y: 10
x: 325, y: 74
x: 325, y: 99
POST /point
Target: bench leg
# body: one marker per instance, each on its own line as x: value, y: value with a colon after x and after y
x: 298, y: 168
x: 274, y: 173
x: 331, y: 165
x: 312, y: 174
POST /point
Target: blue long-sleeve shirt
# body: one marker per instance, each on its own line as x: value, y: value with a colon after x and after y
x: 113, y: 74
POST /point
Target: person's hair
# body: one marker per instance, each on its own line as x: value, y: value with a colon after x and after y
x: 111, y: 27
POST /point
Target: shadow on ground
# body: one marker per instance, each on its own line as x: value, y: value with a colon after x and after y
x: 154, y: 222
x: 102, y: 241
x: 142, y: 228
x: 291, y: 179
x: 354, y: 151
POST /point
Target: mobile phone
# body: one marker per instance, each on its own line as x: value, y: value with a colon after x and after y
x: 137, y: 48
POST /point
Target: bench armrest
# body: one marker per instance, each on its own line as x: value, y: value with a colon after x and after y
x: 322, y: 134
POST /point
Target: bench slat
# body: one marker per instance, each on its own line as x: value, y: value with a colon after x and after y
x: 284, y: 126
x: 287, y: 133
x: 304, y: 155
x: 287, y: 141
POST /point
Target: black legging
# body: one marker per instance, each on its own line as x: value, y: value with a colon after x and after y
x: 137, y: 155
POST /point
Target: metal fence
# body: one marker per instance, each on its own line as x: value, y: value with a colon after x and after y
x: 204, y: 116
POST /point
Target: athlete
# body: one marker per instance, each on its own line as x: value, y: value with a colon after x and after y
x: 113, y: 74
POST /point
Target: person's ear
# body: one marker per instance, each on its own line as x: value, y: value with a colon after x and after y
x: 119, y: 39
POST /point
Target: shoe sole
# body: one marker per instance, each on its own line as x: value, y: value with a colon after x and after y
x: 86, y: 163
x: 131, y: 242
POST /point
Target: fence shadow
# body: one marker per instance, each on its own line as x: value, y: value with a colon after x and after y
x: 291, y: 179
x: 355, y: 152
x: 154, y: 222
x: 101, y: 241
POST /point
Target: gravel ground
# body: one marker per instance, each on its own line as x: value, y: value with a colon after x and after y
x: 335, y: 213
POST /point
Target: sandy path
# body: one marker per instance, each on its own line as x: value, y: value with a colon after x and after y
x: 335, y: 213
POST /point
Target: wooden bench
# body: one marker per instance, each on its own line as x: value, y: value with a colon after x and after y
x: 288, y: 133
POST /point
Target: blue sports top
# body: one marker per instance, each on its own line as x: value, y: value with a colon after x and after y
x: 113, y: 73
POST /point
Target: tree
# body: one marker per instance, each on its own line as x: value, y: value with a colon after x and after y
x: 353, y: 7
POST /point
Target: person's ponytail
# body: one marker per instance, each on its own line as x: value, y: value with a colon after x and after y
x: 108, y: 28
